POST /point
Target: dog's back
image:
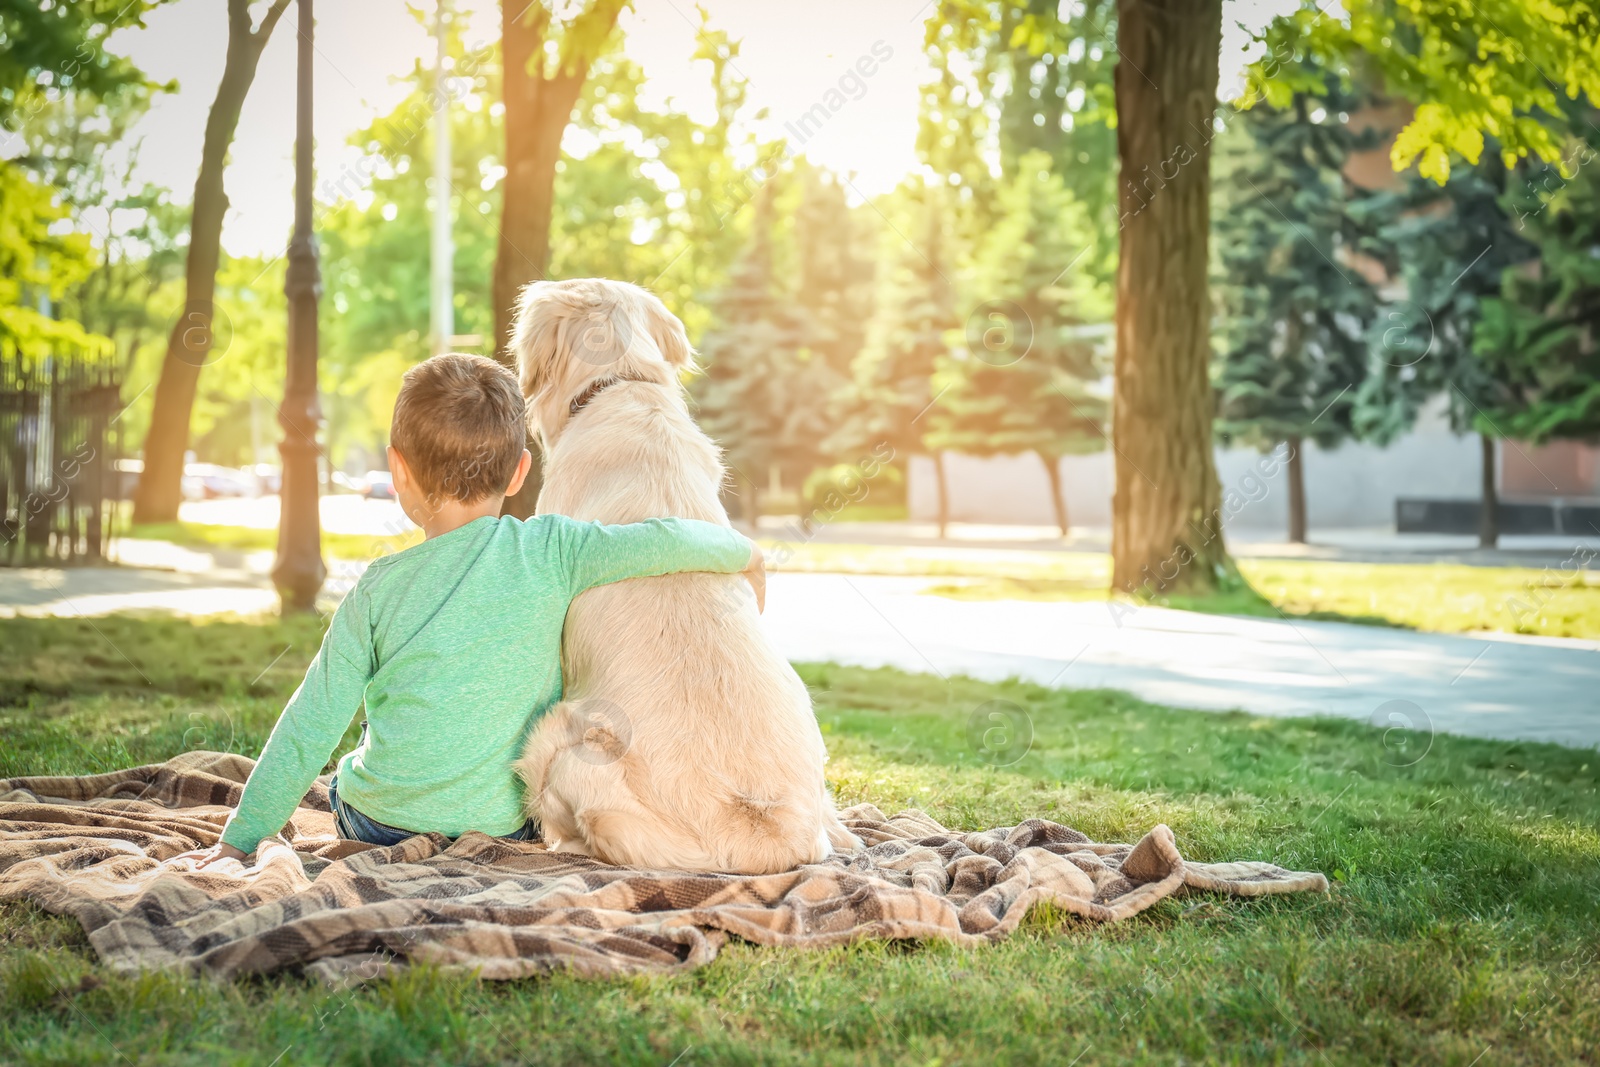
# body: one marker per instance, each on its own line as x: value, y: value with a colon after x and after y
x: 685, y: 739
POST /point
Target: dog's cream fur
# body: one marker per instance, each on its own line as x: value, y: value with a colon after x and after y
x: 685, y: 740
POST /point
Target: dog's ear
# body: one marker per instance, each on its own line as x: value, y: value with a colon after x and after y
x: 535, y: 339
x: 667, y: 331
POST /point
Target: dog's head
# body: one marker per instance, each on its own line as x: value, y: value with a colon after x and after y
x: 570, y: 334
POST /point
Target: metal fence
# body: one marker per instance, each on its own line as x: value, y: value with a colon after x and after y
x: 58, y: 446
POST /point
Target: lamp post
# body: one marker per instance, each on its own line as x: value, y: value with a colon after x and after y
x: 299, y: 571
x: 442, y: 325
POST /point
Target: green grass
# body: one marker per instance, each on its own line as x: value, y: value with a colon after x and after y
x: 1440, y: 597
x: 1461, y: 926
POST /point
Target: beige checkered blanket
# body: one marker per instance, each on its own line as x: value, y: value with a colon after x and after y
x: 93, y: 848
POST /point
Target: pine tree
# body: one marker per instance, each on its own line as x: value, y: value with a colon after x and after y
x: 1540, y: 341
x: 1023, y: 383
x: 748, y: 356
x: 833, y: 299
x: 1295, y: 310
x: 1454, y: 244
x: 890, y: 390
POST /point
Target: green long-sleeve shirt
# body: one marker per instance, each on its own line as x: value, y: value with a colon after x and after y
x: 455, y: 648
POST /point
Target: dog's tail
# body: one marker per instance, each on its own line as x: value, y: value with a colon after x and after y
x: 767, y: 836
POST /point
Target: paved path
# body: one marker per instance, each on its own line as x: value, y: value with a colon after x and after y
x: 1545, y: 689
x: 1501, y: 686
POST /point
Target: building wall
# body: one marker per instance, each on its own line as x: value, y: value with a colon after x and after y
x: 1354, y: 485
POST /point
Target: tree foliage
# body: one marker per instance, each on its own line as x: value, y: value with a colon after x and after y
x: 54, y: 58
x: 1295, y: 307
x: 1539, y: 342
x: 1482, y: 72
x: 1024, y: 381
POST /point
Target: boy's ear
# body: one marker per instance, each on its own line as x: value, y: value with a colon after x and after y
x: 523, y: 466
x: 398, y: 469
x: 666, y: 329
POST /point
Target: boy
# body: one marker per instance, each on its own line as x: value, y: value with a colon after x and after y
x: 453, y: 645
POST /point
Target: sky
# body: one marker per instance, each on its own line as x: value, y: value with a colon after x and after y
x: 791, y: 54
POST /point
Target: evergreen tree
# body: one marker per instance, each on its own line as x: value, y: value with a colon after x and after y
x: 1014, y: 76
x: 891, y: 388
x: 1024, y: 381
x: 833, y: 300
x: 1453, y: 244
x: 748, y: 356
x: 1540, y: 341
x: 1292, y: 345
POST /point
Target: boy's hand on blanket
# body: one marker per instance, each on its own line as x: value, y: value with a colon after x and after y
x: 205, y: 857
x: 755, y: 572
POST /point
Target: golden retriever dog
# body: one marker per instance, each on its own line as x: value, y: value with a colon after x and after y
x: 685, y: 741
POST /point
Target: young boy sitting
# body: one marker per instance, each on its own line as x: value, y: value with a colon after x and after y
x: 453, y: 645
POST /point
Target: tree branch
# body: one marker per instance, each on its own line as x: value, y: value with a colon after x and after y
x: 586, y: 35
x: 269, y: 20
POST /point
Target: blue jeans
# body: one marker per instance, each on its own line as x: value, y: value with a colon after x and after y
x: 354, y: 826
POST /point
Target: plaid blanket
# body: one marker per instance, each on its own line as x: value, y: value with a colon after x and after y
x: 93, y: 847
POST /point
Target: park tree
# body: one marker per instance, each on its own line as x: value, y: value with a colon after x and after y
x: 890, y: 393
x: 1495, y: 74
x: 747, y: 356
x: 1476, y: 69
x: 1019, y: 76
x: 546, y: 64
x: 1540, y: 339
x: 833, y: 280
x: 833, y: 302
x: 190, y: 342
x: 1453, y: 244
x: 1166, y: 512
x: 1025, y: 382
x: 54, y: 64
x: 1294, y: 310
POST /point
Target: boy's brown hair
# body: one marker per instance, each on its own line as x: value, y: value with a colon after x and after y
x: 460, y: 424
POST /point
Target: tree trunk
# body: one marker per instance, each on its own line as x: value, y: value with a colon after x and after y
x: 1297, y: 493
x: 1166, y: 514
x: 1052, y: 471
x: 1489, y: 510
x: 160, y: 488
x: 944, y: 493
x: 537, y: 111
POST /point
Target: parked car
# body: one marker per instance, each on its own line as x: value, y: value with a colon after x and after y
x: 269, y: 479
x: 209, y: 481
x: 379, y: 485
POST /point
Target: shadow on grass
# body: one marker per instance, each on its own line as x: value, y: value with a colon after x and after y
x: 1242, y: 600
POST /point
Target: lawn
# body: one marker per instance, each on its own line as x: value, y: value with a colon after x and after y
x: 1461, y: 928
x: 1440, y: 597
